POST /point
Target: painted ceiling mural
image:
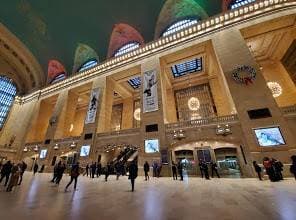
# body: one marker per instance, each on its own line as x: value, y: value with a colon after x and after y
x: 83, y: 54
x: 52, y: 29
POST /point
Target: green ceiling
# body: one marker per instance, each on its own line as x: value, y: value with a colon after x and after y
x: 52, y: 29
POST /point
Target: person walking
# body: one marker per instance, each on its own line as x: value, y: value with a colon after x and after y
x: 278, y: 166
x: 205, y: 170
x: 74, y: 173
x: 200, y: 164
x: 55, y: 172
x: 14, y: 178
x: 214, y: 168
x: 174, y: 169
x: 180, y: 170
x: 23, y: 167
x: 107, y: 171
x: 60, y: 172
x: 35, y: 169
x: 93, y: 168
x: 87, y: 169
x: 117, y: 170
x: 293, y: 166
x: 154, y: 168
x: 257, y: 169
x: 99, y: 169
x: 133, y: 173
x: 5, y: 172
x: 146, y: 170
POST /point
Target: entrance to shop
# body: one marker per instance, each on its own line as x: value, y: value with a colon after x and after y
x: 187, y: 160
x: 228, y: 162
x: 70, y: 158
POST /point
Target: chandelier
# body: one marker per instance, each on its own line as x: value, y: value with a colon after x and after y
x: 275, y: 88
x: 193, y: 104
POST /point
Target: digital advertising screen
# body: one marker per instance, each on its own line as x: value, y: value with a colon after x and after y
x: 271, y: 136
x: 152, y: 146
x: 43, y: 154
x: 84, y: 151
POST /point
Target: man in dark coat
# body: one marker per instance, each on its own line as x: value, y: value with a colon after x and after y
x: 35, y: 169
x: 205, y: 170
x: 87, y: 169
x: 74, y: 173
x: 133, y: 173
x: 93, y: 168
x: 5, y: 172
x: 257, y: 169
x: 146, y: 170
x: 214, y: 169
x: 293, y: 166
x: 99, y: 169
x: 60, y: 171
x: 180, y: 170
x: 200, y: 164
x: 55, y: 171
x: 107, y: 171
x: 174, y: 169
x: 23, y: 167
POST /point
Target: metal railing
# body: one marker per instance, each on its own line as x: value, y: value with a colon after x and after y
x: 132, y: 131
x: 289, y: 110
x: 202, y: 122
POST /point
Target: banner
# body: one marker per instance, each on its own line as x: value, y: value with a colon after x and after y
x: 150, y: 98
x: 92, y: 107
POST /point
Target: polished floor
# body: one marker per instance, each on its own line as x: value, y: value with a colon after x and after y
x: 162, y: 198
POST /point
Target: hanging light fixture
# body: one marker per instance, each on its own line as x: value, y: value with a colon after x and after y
x: 36, y: 148
x: 26, y: 149
x: 73, y: 145
x: 275, y: 88
x: 56, y: 147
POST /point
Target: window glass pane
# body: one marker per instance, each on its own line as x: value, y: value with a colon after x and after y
x: 126, y: 48
x: 239, y: 3
x: 179, y: 26
x: 89, y: 64
x: 135, y: 82
x: 187, y: 67
x: 7, y: 95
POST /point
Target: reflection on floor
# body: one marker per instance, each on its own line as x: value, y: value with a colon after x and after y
x: 162, y: 198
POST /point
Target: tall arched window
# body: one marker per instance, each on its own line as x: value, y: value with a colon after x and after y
x: 179, y: 25
x: 88, y: 64
x: 239, y: 3
x: 126, y: 48
x: 7, y: 95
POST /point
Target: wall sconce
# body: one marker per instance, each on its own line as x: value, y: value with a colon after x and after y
x: 36, y: 148
x: 179, y: 134
x: 73, y: 145
x: 223, y: 130
x: 26, y: 149
x: 56, y: 147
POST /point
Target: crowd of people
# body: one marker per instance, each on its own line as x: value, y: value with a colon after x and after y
x: 12, y: 173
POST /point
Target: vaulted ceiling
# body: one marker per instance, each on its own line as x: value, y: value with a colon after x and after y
x: 52, y: 29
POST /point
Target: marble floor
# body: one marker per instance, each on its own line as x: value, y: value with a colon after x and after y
x: 162, y: 198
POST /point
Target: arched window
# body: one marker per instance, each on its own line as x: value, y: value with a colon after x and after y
x: 239, y: 3
x: 7, y: 95
x: 58, y: 78
x: 126, y: 48
x: 179, y: 25
x: 88, y: 64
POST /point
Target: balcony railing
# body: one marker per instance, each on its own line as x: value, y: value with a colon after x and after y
x: 132, y: 131
x: 202, y: 122
x: 34, y: 143
x: 67, y: 140
x: 289, y: 110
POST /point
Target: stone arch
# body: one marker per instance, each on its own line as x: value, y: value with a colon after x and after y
x: 83, y: 54
x: 123, y: 34
x: 177, y: 10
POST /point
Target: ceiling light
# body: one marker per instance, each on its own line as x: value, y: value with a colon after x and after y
x: 275, y: 88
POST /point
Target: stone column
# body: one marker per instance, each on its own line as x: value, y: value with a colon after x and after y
x: 232, y: 51
x: 127, y: 113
